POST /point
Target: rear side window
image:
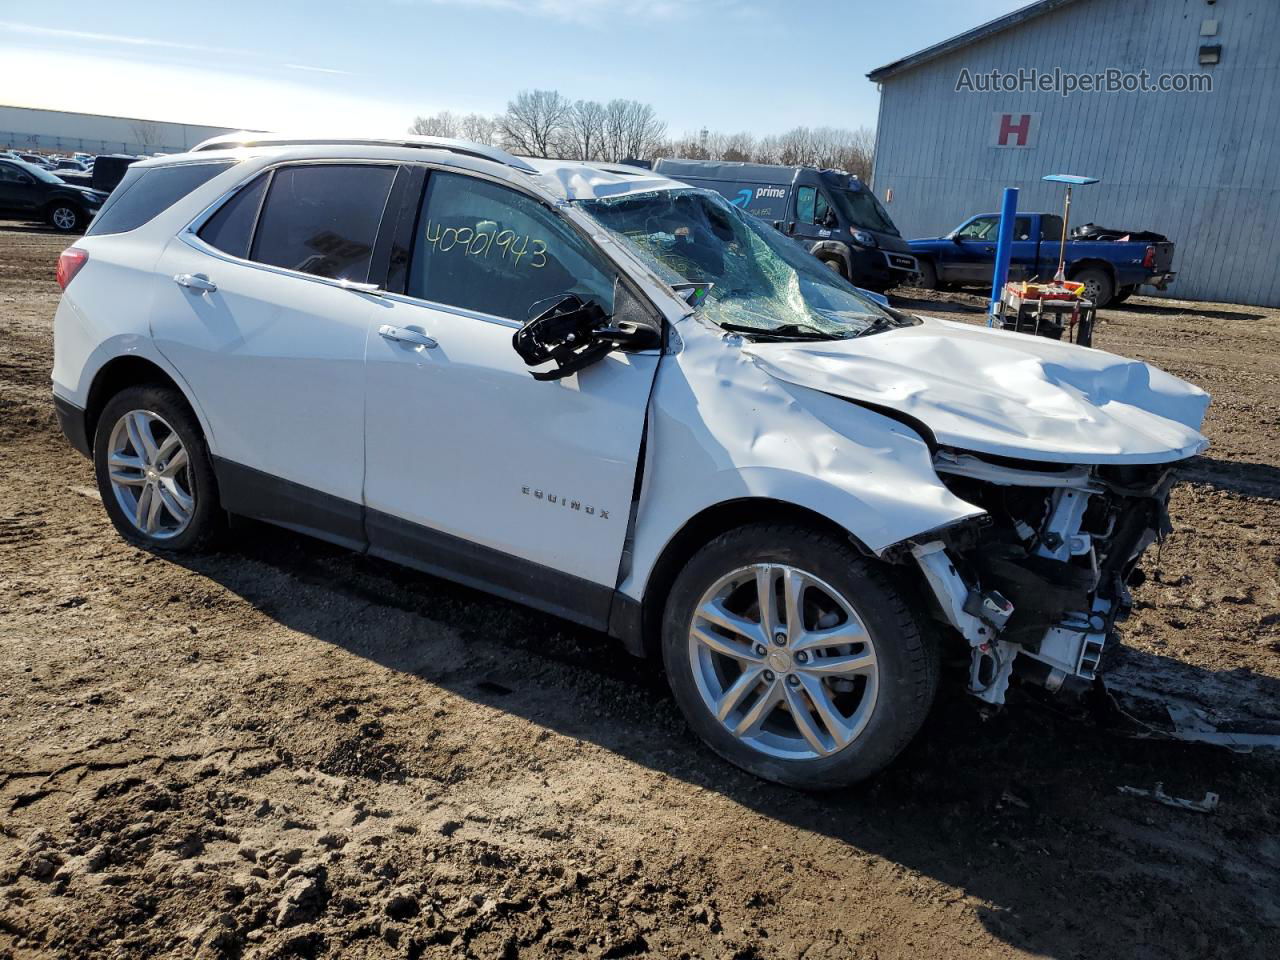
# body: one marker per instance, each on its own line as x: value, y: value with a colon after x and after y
x: 146, y: 192
x: 323, y: 219
x: 231, y: 228
x: 1050, y: 227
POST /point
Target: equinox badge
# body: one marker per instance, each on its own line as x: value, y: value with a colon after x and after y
x: 558, y: 500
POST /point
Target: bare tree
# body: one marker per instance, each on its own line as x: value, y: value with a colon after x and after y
x: 535, y: 121
x: 478, y: 128
x: 797, y: 147
x: 688, y: 146
x: 442, y: 124
x: 738, y: 147
x: 858, y: 152
x: 769, y: 150
x: 584, y: 130
x: 545, y: 123
x: 632, y: 130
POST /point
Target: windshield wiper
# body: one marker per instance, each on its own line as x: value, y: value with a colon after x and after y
x: 880, y: 323
x: 784, y: 331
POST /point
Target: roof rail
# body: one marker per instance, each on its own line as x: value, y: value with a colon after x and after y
x: 245, y: 138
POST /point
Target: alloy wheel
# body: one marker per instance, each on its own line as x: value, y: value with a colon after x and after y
x: 64, y: 218
x: 150, y: 474
x: 783, y: 662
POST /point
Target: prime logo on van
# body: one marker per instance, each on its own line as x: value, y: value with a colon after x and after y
x: 770, y: 193
x: 559, y: 500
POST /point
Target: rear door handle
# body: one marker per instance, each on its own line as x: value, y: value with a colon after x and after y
x: 405, y: 335
x: 195, y: 281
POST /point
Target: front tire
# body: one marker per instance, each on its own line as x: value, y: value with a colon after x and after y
x: 795, y: 658
x: 154, y: 472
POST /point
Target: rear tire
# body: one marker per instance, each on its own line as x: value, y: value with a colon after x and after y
x: 1098, y: 286
x: 154, y: 472
x: 65, y: 217
x: 817, y: 704
x: 1123, y: 294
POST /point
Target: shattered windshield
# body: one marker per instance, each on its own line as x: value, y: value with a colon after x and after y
x: 762, y: 282
x: 862, y: 209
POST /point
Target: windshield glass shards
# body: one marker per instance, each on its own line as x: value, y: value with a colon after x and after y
x: 762, y: 283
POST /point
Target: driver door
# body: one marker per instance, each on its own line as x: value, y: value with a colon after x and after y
x: 815, y: 219
x: 474, y: 470
x: 17, y: 188
x: 974, y: 253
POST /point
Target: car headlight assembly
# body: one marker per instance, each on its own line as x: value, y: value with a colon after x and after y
x: 862, y: 237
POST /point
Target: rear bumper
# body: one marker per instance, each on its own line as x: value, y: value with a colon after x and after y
x: 1161, y: 280
x: 71, y: 420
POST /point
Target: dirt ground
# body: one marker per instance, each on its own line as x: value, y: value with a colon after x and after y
x: 285, y: 750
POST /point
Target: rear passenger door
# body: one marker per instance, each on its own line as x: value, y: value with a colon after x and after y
x: 263, y: 318
x: 1022, y: 251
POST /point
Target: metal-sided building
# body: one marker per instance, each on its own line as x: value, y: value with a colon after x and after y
x: 1201, y: 167
x: 28, y: 128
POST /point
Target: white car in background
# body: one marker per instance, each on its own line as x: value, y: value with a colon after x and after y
x: 621, y: 400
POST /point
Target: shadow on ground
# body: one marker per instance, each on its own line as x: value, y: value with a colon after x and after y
x: 1019, y: 808
x: 1246, y: 479
x: 1160, y: 310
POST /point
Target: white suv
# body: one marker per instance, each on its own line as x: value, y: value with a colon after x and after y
x: 621, y: 400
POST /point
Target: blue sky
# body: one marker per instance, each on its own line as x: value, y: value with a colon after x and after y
x: 369, y: 66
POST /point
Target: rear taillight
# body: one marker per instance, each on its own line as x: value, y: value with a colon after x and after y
x: 69, y: 263
x: 1149, y: 261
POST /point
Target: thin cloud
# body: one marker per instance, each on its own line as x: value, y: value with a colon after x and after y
x: 58, y: 33
x: 583, y: 11
x: 311, y: 69
x: 150, y: 43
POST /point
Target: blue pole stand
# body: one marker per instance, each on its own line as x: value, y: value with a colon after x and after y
x: 1004, y: 249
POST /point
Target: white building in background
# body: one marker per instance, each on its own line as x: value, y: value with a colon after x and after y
x: 1202, y: 168
x: 29, y: 128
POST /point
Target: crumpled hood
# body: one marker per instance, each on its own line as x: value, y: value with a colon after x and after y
x: 1008, y: 394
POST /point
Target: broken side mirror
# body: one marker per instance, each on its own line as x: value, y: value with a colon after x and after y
x: 574, y: 333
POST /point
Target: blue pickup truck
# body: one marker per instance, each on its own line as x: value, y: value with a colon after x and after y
x: 1111, y: 264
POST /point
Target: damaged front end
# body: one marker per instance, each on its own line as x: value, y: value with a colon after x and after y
x: 1039, y: 583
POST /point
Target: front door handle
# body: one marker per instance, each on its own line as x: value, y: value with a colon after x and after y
x: 195, y: 281
x: 405, y: 335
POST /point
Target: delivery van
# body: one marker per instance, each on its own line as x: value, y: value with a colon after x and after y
x: 834, y: 215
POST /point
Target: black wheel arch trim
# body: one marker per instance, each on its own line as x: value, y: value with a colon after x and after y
x: 74, y: 425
